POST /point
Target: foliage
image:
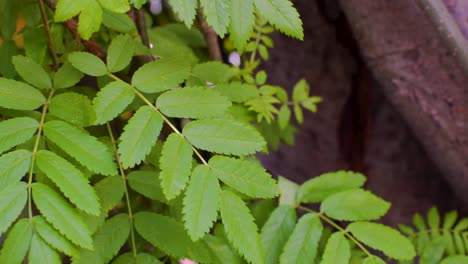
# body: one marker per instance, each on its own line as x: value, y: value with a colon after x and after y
x: 151, y: 157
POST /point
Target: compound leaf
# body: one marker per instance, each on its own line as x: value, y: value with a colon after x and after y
x: 86, y: 149
x: 186, y: 10
x: 12, y: 201
x: 87, y: 63
x: 192, y: 102
x: 243, y: 21
x: 61, y: 215
x: 240, y: 227
x: 111, y: 101
x: 120, y: 53
x: 139, y: 135
x: 17, y: 242
x: 377, y: 236
x: 337, y: 250
x: 244, y: 176
x: 74, y: 108
x: 14, y: 166
x: 303, y: 243
x: 354, y: 205
x: 41, y: 252
x: 224, y: 136
x: 217, y: 14
x: 282, y: 15
x: 174, y: 175
x: 70, y: 181
x: 19, y: 95
x: 53, y: 237
x: 201, y: 202
x: 32, y: 72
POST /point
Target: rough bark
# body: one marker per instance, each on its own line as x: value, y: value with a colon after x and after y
x: 420, y: 77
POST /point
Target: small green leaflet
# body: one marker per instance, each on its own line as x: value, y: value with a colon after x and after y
x: 375, y: 260
x: 237, y: 92
x: 61, y: 215
x: 110, y: 191
x: 221, y: 250
x: 70, y: 181
x: 120, y: 53
x: 161, y: 75
x: 90, y: 15
x: 217, y: 14
x: 142, y: 258
x: 67, y: 76
x: 138, y: 3
x: 276, y: 232
x: 224, y: 136
x: 14, y: 166
x: 16, y: 131
x: 53, y: 237
x: 284, y: 116
x: 118, y: 22
x: 300, y: 91
x: 32, y: 72
x: 244, y: 176
x: 282, y: 15
x: 139, y: 136
x: 107, y: 241
x: 41, y: 252
x: 147, y: 183
x: 240, y: 227
x: 175, y: 164
x: 192, y: 102
x: 87, y: 63
x: 19, y: 95
x: 288, y: 190
x: 317, y: 189
x: 186, y: 10
x: 111, y: 101
x: 337, y: 250
x: 85, y: 148
x: 213, y: 72
x: 17, y: 242
x: 201, y: 202
x: 459, y: 259
x: 243, y: 21
x: 303, y: 243
x: 384, y: 238
x: 74, y: 108
x: 117, y: 6
x: 67, y: 9
x: 12, y: 201
x: 354, y: 205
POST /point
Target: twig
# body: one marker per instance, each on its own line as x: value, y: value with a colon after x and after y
x: 50, y: 43
x: 141, y: 26
x: 211, y: 38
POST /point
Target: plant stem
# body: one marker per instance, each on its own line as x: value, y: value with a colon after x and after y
x: 50, y: 43
x: 346, y: 233
x: 127, y: 196
x: 257, y: 42
x: 34, y: 151
x: 211, y: 38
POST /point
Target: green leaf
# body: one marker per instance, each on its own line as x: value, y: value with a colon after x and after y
x: 221, y: 250
x: 284, y: 116
x: 217, y: 14
x: 282, y: 15
x: 117, y: 6
x: 147, y: 183
x: 70, y: 181
x: 224, y: 136
x: 354, y: 205
x: 186, y: 10
x: 107, y: 241
x: 276, y: 231
x: 433, y: 252
x: 32, y: 72
x: 118, y: 22
x: 67, y: 9
x: 166, y: 234
x: 85, y: 148
x: 213, y: 72
x: 303, y: 243
x: 87, y: 63
x: 301, y: 91
x: 17, y: 242
x: 67, y: 76
x: 141, y: 258
x: 12, y: 201
x: 244, y: 176
x: 433, y: 220
x: 174, y: 175
x: 298, y: 113
x: 53, y: 237
x: 192, y: 102
x: 337, y: 250
x: 240, y: 227
x: 14, y: 166
x: 459, y: 259
x: 201, y: 202
x: 16, y: 131
x: 288, y: 190
x: 111, y: 101
x: 41, y: 252
x: 139, y: 136
x: 237, y: 92
x: 120, y: 53
x: 61, y: 215
x: 110, y: 191
x: 161, y: 75
x: 19, y: 95
x: 317, y: 189
x: 90, y: 19
x: 242, y: 22
x: 74, y: 108
x: 383, y: 238
x: 373, y: 260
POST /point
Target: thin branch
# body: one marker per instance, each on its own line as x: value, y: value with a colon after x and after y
x: 211, y: 38
x: 141, y: 26
x: 50, y: 43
